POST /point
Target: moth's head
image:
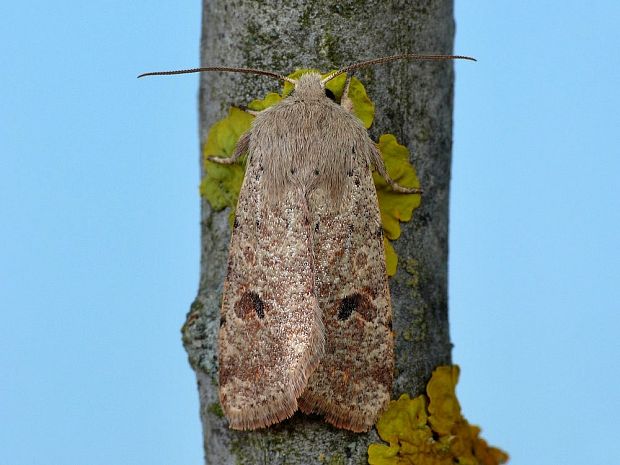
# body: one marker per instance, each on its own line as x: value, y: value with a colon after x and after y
x: 309, y: 86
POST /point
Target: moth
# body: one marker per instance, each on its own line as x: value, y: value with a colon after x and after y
x: 306, y: 321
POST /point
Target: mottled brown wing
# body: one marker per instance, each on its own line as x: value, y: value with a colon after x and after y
x: 352, y: 384
x: 271, y: 334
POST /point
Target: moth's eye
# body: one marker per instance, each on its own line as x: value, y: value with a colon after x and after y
x: 329, y: 94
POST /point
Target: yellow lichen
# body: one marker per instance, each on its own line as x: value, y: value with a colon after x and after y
x: 395, y: 207
x: 391, y: 259
x: 444, y: 407
x: 270, y: 99
x: 430, y: 430
x: 222, y: 183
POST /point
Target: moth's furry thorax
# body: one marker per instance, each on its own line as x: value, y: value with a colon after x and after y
x: 308, y: 142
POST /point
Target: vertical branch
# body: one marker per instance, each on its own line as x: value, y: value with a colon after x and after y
x: 414, y: 102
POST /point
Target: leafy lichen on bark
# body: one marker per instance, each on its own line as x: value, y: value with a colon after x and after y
x: 431, y: 430
x: 414, y: 102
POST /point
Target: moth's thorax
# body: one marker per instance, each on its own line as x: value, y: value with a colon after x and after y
x: 308, y: 142
x: 307, y: 145
x: 309, y: 87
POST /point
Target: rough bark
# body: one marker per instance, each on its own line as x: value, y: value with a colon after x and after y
x: 414, y: 102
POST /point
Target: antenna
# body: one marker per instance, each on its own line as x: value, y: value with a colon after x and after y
x: 387, y: 59
x: 221, y: 68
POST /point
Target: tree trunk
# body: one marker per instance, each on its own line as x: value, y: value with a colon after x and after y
x: 413, y: 101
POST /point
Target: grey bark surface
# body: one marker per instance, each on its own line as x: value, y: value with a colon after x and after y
x: 413, y: 101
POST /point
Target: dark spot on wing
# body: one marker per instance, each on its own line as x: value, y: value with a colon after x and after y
x: 347, y: 306
x: 250, y: 304
x: 359, y: 303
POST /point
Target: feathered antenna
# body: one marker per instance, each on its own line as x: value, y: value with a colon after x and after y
x: 405, y: 56
x: 221, y: 68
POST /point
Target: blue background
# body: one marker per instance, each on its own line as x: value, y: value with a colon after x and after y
x: 99, y: 244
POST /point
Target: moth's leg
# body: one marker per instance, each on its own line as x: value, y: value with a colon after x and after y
x: 240, y: 149
x: 380, y: 167
x: 345, y: 101
x: 251, y: 112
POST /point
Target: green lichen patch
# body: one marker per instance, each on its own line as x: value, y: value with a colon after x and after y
x: 395, y: 207
x: 391, y: 259
x: 270, y: 99
x: 336, y: 460
x: 216, y: 409
x: 430, y: 429
x: 222, y: 183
